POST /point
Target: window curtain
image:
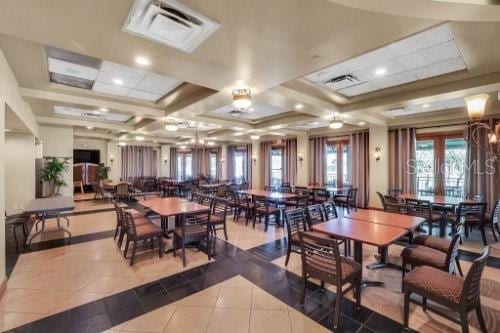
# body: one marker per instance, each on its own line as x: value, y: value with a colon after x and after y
x: 173, y: 163
x: 402, y: 154
x: 317, y: 161
x: 138, y: 162
x: 359, y: 144
x: 219, y: 162
x: 265, y: 163
x: 481, y: 175
x: 201, y: 161
x: 290, y: 161
x: 230, y: 162
x: 249, y: 162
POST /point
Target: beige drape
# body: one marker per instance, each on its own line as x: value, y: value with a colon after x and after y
x: 249, y: 165
x: 139, y: 162
x: 230, y: 162
x: 201, y: 160
x: 290, y: 161
x: 402, y: 154
x: 317, y: 161
x: 265, y: 163
x: 219, y: 162
x: 359, y: 150
x: 481, y: 170
x: 173, y: 163
x: 247, y: 172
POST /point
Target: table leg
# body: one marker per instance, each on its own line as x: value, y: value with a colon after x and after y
x: 59, y: 224
x: 383, y: 260
x: 42, y: 219
x: 358, y: 257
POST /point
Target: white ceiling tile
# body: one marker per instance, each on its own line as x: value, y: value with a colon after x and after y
x: 358, y: 89
x: 111, y: 89
x: 392, y: 67
x: 394, y: 80
x: 108, y: 66
x: 260, y: 110
x: 440, y: 68
x: 128, y: 80
x: 369, y: 59
x: 327, y: 74
x: 421, y: 41
x: 72, y: 69
x: 431, y: 55
x: 144, y: 95
x: 158, y: 84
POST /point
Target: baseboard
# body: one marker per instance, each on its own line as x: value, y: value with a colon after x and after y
x: 3, y: 286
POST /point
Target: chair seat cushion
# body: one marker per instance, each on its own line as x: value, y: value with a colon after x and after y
x: 436, y: 217
x: 340, y: 199
x: 217, y: 219
x: 147, y: 229
x: 348, y: 267
x: 135, y: 214
x: 421, y: 255
x: 435, y: 243
x: 432, y: 281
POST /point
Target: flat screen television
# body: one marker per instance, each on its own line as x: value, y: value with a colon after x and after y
x: 86, y: 156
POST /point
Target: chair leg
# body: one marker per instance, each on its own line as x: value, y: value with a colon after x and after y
x: 424, y: 303
x: 358, y: 291
x: 225, y: 230
x: 483, y: 235
x: 174, y: 245
x: 493, y: 232
x: 288, y: 250
x: 406, y: 310
x: 125, y: 251
x: 183, y: 252
x: 457, y: 263
x: 336, y: 312
x: 464, y: 321
x: 266, y: 222
x: 480, y: 318
x: 403, y: 272
x: 116, y: 232
x: 134, y: 247
x: 303, y: 292
x: 160, y: 245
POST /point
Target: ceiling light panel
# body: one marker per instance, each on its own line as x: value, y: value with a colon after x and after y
x: 72, y: 69
x: 427, y: 54
x: 158, y: 84
x: 427, y: 107
x: 261, y: 110
x: 89, y: 114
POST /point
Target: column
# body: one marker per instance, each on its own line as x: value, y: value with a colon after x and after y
x: 379, y: 170
x: 302, y: 160
x: 114, y: 161
x: 165, y: 161
x: 256, y: 163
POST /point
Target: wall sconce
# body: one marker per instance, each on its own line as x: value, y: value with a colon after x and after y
x: 254, y: 159
x: 377, y: 154
x: 165, y: 160
x: 300, y: 158
x: 223, y: 159
x: 111, y: 160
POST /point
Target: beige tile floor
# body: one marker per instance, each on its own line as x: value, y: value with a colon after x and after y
x: 245, y: 237
x: 388, y: 300
x: 233, y: 306
x: 50, y: 281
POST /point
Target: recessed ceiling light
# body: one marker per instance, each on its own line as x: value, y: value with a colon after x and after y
x: 380, y: 71
x: 315, y: 124
x: 118, y: 82
x: 139, y: 138
x: 96, y: 112
x: 254, y: 137
x: 154, y: 141
x: 299, y: 106
x: 90, y: 127
x: 361, y: 123
x: 251, y: 109
x: 122, y: 144
x: 183, y: 147
x: 7, y: 130
x: 103, y: 109
x: 143, y: 61
x: 425, y: 106
x: 210, y: 143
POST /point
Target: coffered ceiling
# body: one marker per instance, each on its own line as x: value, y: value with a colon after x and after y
x: 407, y: 67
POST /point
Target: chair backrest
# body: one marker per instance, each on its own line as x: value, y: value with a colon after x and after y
x: 244, y: 199
x: 471, y: 211
x: 196, y: 218
x: 321, y: 257
x: 315, y: 214
x: 320, y: 193
x: 205, y: 199
x: 475, y: 197
x: 219, y: 207
x: 128, y: 221
x: 421, y: 208
x: 472, y: 283
x: 381, y: 197
x: 394, y: 192
x: 495, y: 213
x: 352, y: 196
x: 122, y: 189
x: 453, y: 249
x: 398, y: 208
x: 330, y: 211
x: 295, y: 221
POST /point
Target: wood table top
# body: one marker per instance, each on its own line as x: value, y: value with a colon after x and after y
x: 361, y: 231
x: 51, y: 204
x: 327, y: 188
x: 437, y: 199
x: 391, y: 219
x: 166, y: 209
x: 268, y: 194
x: 212, y: 185
x: 159, y: 201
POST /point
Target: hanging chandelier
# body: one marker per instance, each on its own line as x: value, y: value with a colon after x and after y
x: 197, y: 141
x: 476, y: 129
x: 242, y: 99
x: 336, y: 123
x: 171, y: 125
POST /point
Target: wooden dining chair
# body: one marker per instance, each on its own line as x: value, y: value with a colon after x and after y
x: 424, y: 209
x: 141, y: 231
x: 493, y: 219
x: 461, y: 295
x: 348, y: 200
x: 471, y: 214
x: 17, y: 221
x: 330, y: 211
x: 195, y: 227
x: 314, y: 214
x: 320, y: 195
x: 295, y: 221
x: 265, y: 208
x: 123, y: 192
x: 218, y: 218
x: 246, y: 206
x: 321, y: 260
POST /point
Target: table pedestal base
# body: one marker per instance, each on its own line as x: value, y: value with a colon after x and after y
x: 358, y: 257
x: 383, y: 261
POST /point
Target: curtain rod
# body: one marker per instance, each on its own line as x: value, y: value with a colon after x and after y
x: 430, y: 126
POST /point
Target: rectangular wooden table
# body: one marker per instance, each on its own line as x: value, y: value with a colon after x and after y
x: 441, y: 200
x: 269, y: 194
x: 408, y: 222
x: 159, y: 201
x: 360, y: 232
x: 46, y: 207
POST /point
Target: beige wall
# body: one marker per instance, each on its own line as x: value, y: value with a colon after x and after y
x: 58, y: 142
x: 2, y: 190
x: 256, y: 172
x: 92, y: 144
x: 379, y: 170
x: 303, y: 168
x: 19, y: 171
x: 164, y: 167
x: 114, y: 152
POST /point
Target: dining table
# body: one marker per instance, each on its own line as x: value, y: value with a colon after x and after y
x: 407, y: 222
x: 361, y: 232
x: 441, y: 200
x: 271, y: 195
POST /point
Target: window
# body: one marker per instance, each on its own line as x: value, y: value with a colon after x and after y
x: 239, y: 164
x: 212, y: 165
x: 276, y: 167
x: 440, y: 164
x: 185, y: 165
x: 337, y: 163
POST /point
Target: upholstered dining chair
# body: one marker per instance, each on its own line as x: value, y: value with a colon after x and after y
x: 461, y: 295
x: 195, y: 227
x: 348, y: 200
x: 330, y: 211
x: 471, y: 214
x: 493, y: 219
x: 219, y: 208
x: 424, y: 209
x: 265, y: 208
x: 321, y: 259
x: 141, y: 229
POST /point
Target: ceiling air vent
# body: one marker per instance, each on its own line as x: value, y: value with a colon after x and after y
x: 342, y: 78
x: 397, y: 111
x: 236, y: 113
x: 170, y: 23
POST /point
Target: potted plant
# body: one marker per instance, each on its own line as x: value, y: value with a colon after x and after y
x: 102, y: 172
x: 52, y: 174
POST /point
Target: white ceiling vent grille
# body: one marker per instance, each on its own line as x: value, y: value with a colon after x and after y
x: 169, y: 22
